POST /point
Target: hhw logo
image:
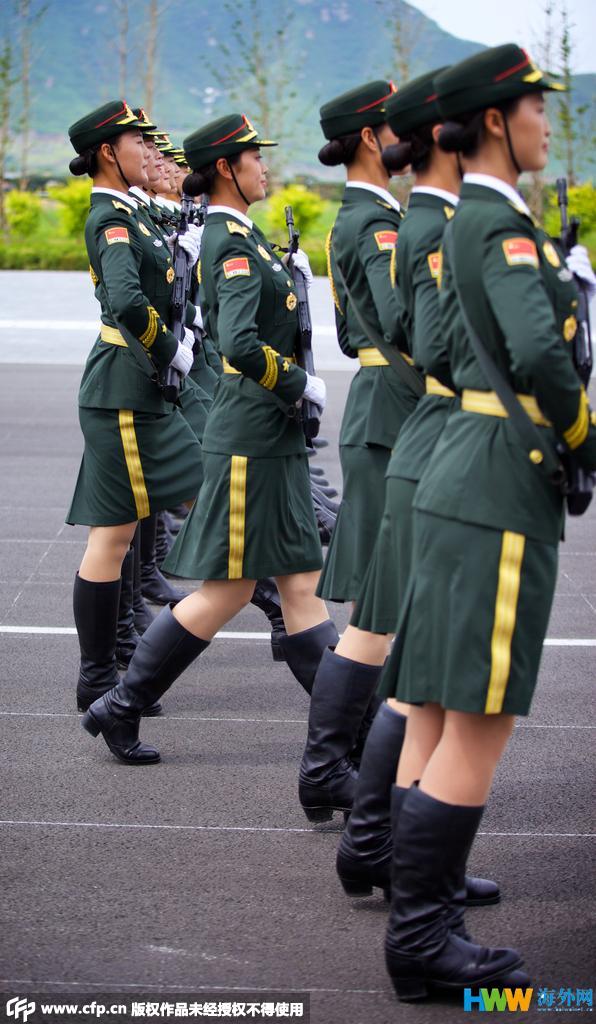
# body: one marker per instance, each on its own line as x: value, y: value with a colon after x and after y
x: 18, y: 1008
x: 498, y: 999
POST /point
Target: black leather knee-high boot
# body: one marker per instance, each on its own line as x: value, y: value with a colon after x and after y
x: 266, y: 598
x: 164, y: 651
x: 431, y: 845
x: 340, y: 696
x: 127, y: 637
x: 303, y: 651
x: 95, y: 607
x: 143, y: 616
x: 154, y: 586
x: 365, y: 849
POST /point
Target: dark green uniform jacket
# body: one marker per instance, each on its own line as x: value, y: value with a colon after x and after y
x: 248, y: 302
x: 521, y: 299
x: 417, y: 266
x: 364, y: 236
x: 129, y: 260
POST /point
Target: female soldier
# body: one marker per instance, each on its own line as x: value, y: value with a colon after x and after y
x: 487, y: 517
x: 364, y: 855
x: 140, y: 456
x: 359, y: 248
x: 254, y: 514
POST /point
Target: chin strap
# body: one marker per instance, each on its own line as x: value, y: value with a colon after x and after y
x: 238, y: 189
x: 120, y: 171
x: 510, y: 145
x: 460, y: 169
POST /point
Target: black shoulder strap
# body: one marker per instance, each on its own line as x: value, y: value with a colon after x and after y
x: 408, y: 374
x: 530, y: 436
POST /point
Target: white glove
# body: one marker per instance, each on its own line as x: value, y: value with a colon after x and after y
x: 578, y: 262
x: 196, y: 232
x: 315, y: 391
x: 188, y: 241
x: 188, y: 339
x: 198, y: 320
x: 300, y: 260
x: 183, y: 359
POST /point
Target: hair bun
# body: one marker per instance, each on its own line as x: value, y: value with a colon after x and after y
x: 194, y: 184
x: 79, y: 165
x: 397, y: 156
x: 332, y: 153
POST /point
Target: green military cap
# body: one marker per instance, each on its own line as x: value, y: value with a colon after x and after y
x: 148, y: 128
x: 489, y: 77
x: 414, y: 104
x: 224, y: 137
x: 101, y: 124
x: 179, y: 157
x: 356, y: 109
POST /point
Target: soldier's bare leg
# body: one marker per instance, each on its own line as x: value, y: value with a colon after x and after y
x: 423, y: 733
x: 461, y: 768
x: 205, y: 611
x: 300, y: 605
x: 106, y: 548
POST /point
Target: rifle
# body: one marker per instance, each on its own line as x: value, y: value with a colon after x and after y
x: 171, y: 379
x: 580, y: 484
x: 310, y: 415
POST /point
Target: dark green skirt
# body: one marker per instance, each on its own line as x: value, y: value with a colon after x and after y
x: 471, y: 631
x: 253, y: 518
x: 357, y: 527
x: 384, y: 587
x: 134, y: 464
x: 195, y: 404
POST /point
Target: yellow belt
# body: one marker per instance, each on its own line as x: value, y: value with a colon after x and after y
x: 434, y: 387
x: 372, y: 357
x: 488, y: 403
x: 228, y: 368
x: 112, y: 336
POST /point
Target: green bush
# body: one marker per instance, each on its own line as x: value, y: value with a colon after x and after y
x: 582, y: 204
x: 73, y: 205
x: 306, y: 206
x: 23, y: 213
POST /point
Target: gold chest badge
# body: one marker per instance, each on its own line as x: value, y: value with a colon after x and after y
x: 263, y: 252
x: 170, y: 275
x: 569, y: 328
x: 144, y: 229
x: 291, y: 301
x: 551, y: 254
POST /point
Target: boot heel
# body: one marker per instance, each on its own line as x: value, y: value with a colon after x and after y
x: 318, y: 813
x: 408, y: 990
x: 352, y: 887
x: 91, y: 724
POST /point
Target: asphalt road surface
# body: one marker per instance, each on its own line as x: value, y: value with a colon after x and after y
x: 201, y: 874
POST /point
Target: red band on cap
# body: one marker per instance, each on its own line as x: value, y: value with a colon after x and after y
x: 511, y: 71
x: 376, y: 102
x: 117, y: 114
x: 231, y: 134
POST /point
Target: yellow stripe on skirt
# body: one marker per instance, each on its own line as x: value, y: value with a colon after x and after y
x: 133, y: 462
x: 237, y: 516
x: 512, y: 553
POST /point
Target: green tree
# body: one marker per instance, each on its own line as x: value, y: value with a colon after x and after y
x: 306, y: 206
x: 23, y: 213
x: 73, y: 204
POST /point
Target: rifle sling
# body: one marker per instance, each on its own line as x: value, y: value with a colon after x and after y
x: 408, y: 374
x: 532, y: 439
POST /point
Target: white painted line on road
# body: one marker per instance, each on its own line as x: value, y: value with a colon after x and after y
x: 115, y: 986
x: 71, y: 631
x: 9, y: 822
x: 244, y: 721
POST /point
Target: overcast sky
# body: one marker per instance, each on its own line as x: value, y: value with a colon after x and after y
x: 519, y: 21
